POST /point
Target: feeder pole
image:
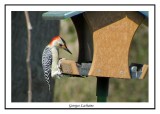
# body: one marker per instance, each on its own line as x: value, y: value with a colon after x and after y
x: 102, y: 89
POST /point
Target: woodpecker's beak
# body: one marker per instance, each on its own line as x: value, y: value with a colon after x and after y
x: 67, y: 49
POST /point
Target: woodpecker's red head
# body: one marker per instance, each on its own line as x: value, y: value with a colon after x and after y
x: 58, y: 42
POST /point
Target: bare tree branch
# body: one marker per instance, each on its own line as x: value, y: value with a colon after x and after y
x: 29, y: 28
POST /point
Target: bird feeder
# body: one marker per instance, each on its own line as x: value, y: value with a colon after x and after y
x: 104, y: 43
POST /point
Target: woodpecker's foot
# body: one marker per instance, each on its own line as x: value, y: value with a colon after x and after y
x: 57, y: 74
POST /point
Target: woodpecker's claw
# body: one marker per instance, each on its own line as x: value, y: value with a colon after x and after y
x: 59, y: 68
x: 58, y: 74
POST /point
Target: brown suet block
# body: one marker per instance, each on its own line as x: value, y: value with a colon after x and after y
x: 69, y: 67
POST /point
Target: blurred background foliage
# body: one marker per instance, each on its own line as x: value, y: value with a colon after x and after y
x: 120, y: 90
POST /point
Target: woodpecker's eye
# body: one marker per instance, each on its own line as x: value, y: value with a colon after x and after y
x: 60, y: 45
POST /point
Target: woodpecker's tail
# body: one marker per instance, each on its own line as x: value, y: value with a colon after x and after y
x: 48, y: 83
x: 49, y: 86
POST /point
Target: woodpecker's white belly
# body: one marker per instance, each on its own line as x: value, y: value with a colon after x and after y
x: 54, y: 68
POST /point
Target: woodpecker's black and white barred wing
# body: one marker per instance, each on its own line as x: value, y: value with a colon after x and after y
x: 46, y: 64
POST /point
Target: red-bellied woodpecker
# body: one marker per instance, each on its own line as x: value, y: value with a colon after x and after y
x: 50, y: 59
